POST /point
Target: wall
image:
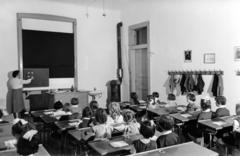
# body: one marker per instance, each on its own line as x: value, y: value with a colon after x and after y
x: 96, y: 36
x: 202, y: 26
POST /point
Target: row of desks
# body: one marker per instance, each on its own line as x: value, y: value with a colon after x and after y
x: 5, y: 135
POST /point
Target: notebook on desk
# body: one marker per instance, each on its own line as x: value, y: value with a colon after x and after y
x: 118, y: 144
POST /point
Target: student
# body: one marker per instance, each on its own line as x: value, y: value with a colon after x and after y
x: 151, y: 102
x: 102, y: 129
x: 27, y: 138
x: 205, y: 114
x: 134, y: 98
x: 86, y: 117
x: 147, y: 130
x: 155, y: 96
x: 69, y: 113
x: 232, y: 141
x: 221, y: 110
x: 115, y: 113
x: 94, y: 106
x: 132, y: 126
x: 1, y: 115
x: 75, y: 107
x: 171, y: 100
x: 191, y: 107
x: 165, y: 125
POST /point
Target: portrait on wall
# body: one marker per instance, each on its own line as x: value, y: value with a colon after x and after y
x: 237, y: 53
x: 209, y: 58
x: 188, y: 56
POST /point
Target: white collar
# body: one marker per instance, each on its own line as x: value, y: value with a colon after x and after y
x: 166, y: 132
x: 145, y: 141
x: 207, y: 110
x: 221, y: 106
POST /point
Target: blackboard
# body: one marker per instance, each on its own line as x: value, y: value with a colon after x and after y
x: 40, y: 77
x: 52, y: 50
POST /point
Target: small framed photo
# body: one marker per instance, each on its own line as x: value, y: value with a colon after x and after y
x: 237, y: 53
x: 209, y: 58
x: 188, y: 56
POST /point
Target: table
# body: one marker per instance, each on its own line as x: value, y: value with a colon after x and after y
x: 185, y: 117
x: 68, y: 124
x: 41, y: 152
x: 185, y: 149
x: 5, y: 129
x: 103, y: 147
x: 39, y: 113
x: 218, y: 123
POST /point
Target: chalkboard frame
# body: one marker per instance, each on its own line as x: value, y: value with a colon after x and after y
x: 21, y: 16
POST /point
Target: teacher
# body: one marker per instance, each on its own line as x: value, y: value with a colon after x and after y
x: 15, y: 102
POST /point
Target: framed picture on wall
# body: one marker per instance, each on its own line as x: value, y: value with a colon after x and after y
x: 188, y: 56
x: 209, y: 58
x: 237, y: 53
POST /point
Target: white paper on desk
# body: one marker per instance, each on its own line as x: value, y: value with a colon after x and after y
x: 48, y: 113
x: 10, y: 143
x: 186, y: 115
x: 219, y: 123
x: 116, y: 144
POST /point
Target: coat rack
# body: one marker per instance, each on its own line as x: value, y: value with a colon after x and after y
x: 195, y: 72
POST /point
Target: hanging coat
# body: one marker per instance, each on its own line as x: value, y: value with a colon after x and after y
x: 199, y: 87
x: 183, y: 89
x: 190, y: 84
x: 217, y: 86
x: 220, y: 86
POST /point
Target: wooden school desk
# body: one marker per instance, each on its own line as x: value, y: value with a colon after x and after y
x: 39, y: 113
x: 67, y: 124
x: 103, y: 147
x: 185, y: 149
x: 185, y: 117
x: 5, y: 129
x: 12, y: 152
x: 218, y: 123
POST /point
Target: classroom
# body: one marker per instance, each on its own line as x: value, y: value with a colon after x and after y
x: 119, y: 77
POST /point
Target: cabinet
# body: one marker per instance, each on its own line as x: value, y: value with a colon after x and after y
x: 46, y: 100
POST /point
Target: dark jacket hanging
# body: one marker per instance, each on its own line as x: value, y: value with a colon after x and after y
x: 200, y: 84
x: 215, y: 85
x: 182, y: 84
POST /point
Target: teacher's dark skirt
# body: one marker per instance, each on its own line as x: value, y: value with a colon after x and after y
x: 15, y: 103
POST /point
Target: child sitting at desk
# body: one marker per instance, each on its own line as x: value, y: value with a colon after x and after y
x: 171, y: 100
x: 1, y: 120
x: 27, y: 138
x: 87, y: 116
x: 206, y: 113
x: 191, y: 107
x: 222, y: 110
x: 168, y: 137
x: 102, y: 129
x: 233, y: 139
x: 94, y: 106
x: 115, y: 113
x: 132, y: 126
x: 147, y: 130
x: 155, y: 96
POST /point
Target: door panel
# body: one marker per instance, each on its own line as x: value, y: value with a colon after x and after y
x: 139, y: 72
